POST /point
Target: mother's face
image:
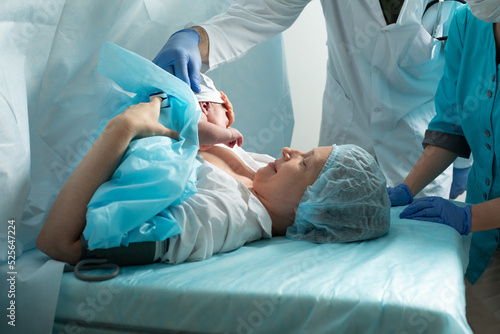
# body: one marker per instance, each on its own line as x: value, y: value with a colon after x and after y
x: 281, y: 184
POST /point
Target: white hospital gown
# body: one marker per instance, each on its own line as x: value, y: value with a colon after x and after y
x: 222, y: 216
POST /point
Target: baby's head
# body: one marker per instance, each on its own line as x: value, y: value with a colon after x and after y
x: 329, y: 194
x: 215, y: 105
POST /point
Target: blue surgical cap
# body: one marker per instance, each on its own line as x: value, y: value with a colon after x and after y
x: 347, y: 202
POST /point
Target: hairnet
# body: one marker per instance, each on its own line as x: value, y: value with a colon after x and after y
x: 347, y: 202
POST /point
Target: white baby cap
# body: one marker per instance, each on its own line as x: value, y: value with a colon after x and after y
x: 208, y: 91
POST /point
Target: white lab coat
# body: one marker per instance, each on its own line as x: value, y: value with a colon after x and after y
x: 381, y: 78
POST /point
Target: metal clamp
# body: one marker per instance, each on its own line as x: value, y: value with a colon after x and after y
x: 165, y: 103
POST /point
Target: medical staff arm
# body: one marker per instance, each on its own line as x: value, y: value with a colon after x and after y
x: 486, y: 215
x: 60, y: 235
x: 233, y: 33
x: 246, y: 24
x: 211, y: 134
x: 204, y: 44
x: 183, y: 54
x: 433, y: 161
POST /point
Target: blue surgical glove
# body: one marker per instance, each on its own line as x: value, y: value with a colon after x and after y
x: 438, y: 210
x: 459, y: 182
x: 181, y: 57
x: 400, y: 195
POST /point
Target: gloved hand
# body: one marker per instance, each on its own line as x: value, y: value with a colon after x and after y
x: 438, y: 210
x: 400, y: 195
x: 459, y: 182
x: 181, y: 57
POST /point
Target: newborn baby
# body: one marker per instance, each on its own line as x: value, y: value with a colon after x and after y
x: 216, y: 118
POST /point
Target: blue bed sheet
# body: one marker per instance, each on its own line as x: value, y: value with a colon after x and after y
x: 408, y: 281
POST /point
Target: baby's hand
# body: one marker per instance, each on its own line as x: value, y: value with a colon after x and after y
x: 236, y: 136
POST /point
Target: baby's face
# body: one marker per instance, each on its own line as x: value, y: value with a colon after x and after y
x: 282, y: 183
x: 218, y: 115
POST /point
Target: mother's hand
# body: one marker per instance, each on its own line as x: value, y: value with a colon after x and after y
x: 141, y: 120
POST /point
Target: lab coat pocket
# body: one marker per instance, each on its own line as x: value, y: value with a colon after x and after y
x: 337, y: 113
x: 422, y: 52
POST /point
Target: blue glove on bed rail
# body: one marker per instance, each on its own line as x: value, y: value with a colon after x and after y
x: 400, y: 195
x: 438, y: 210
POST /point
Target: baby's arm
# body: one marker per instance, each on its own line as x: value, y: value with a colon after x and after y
x: 210, y: 134
x: 60, y: 235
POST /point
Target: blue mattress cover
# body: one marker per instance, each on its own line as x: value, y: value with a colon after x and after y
x: 409, y: 280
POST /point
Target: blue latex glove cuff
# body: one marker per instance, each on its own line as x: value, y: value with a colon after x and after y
x: 400, y: 195
x: 467, y: 221
x: 189, y: 31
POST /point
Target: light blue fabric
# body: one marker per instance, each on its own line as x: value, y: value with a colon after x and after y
x: 155, y: 172
x: 468, y: 104
x: 33, y: 287
x: 347, y: 202
x: 408, y: 281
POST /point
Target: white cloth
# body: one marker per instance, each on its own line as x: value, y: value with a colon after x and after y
x: 381, y: 78
x: 222, y: 216
x: 208, y: 91
x: 485, y: 10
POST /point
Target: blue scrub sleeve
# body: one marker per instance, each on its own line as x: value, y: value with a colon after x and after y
x: 447, y: 119
x: 449, y: 141
x: 155, y: 172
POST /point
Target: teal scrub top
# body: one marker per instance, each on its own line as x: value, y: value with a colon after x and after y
x: 468, y: 104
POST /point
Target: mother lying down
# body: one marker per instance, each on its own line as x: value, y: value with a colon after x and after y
x: 329, y: 194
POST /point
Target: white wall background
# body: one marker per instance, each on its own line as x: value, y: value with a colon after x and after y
x: 306, y: 53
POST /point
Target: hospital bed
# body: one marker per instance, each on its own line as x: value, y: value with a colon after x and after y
x: 408, y: 281
x: 52, y: 101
